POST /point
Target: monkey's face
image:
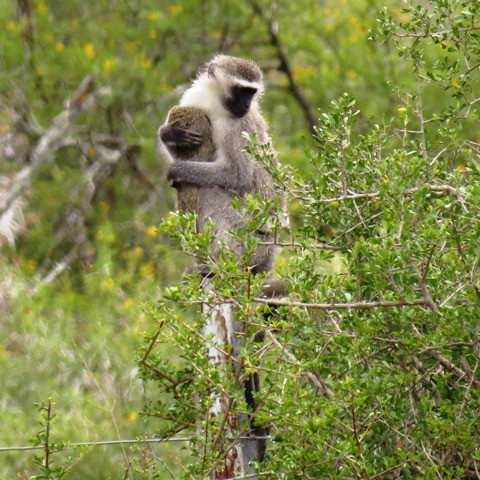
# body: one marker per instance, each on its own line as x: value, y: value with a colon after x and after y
x: 239, y: 100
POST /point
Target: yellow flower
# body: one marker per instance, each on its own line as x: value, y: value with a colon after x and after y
x: 355, y: 24
x: 176, y: 9
x: 454, y: 84
x: 153, y: 16
x: 131, y: 47
x: 132, y: 416
x: 145, y: 62
x: 152, y: 231
x: 335, y: 203
x: 31, y: 266
x: 128, y: 304
x: 42, y: 7
x: 147, y: 269
x: 13, y: 27
x: 107, y: 65
x: 107, y: 284
x: 138, y: 251
x: 282, y: 262
x: 89, y: 50
x: 59, y: 47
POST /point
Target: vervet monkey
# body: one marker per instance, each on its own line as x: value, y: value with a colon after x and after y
x: 227, y: 88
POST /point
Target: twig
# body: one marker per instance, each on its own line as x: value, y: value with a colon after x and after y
x: 446, y: 363
x: 422, y: 278
x: 354, y: 196
x: 432, y: 34
x: 148, y: 365
x: 317, y: 382
x: 343, y: 306
x: 462, y: 257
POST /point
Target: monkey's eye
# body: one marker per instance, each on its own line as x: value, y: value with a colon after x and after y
x: 245, y: 92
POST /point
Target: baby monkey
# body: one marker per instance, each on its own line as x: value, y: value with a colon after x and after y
x: 197, y: 145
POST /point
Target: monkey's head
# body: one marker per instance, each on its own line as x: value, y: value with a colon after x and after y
x: 240, y: 82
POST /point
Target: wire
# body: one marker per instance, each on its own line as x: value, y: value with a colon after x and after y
x: 99, y: 443
x: 71, y: 446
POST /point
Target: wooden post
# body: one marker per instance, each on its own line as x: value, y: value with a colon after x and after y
x: 222, y: 329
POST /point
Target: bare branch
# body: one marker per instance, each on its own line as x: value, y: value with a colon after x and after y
x: 355, y: 196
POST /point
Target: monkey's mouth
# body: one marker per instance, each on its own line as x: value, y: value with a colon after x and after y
x: 240, y: 112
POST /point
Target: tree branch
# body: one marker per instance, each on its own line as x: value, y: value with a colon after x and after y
x: 343, y: 306
x: 51, y: 141
x: 286, y: 68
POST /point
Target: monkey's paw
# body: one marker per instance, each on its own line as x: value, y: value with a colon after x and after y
x: 180, y: 137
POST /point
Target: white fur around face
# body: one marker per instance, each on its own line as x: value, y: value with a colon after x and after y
x: 205, y: 93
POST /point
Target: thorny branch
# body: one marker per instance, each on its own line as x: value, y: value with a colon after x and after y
x: 343, y: 306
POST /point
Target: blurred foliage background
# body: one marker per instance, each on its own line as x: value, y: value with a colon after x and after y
x: 80, y: 252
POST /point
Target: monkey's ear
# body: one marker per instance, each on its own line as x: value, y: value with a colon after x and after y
x: 212, y: 68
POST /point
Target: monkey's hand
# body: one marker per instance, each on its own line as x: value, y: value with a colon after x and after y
x: 179, y: 137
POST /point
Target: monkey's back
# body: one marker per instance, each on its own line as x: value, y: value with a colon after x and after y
x: 196, y: 119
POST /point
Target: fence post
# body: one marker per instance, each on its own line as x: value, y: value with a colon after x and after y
x: 240, y: 445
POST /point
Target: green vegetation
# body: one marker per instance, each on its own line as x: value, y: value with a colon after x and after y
x: 373, y: 372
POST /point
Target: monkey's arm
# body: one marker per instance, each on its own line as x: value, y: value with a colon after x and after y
x: 179, y: 137
x: 223, y: 174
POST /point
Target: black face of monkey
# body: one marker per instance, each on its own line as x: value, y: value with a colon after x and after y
x: 239, y: 101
